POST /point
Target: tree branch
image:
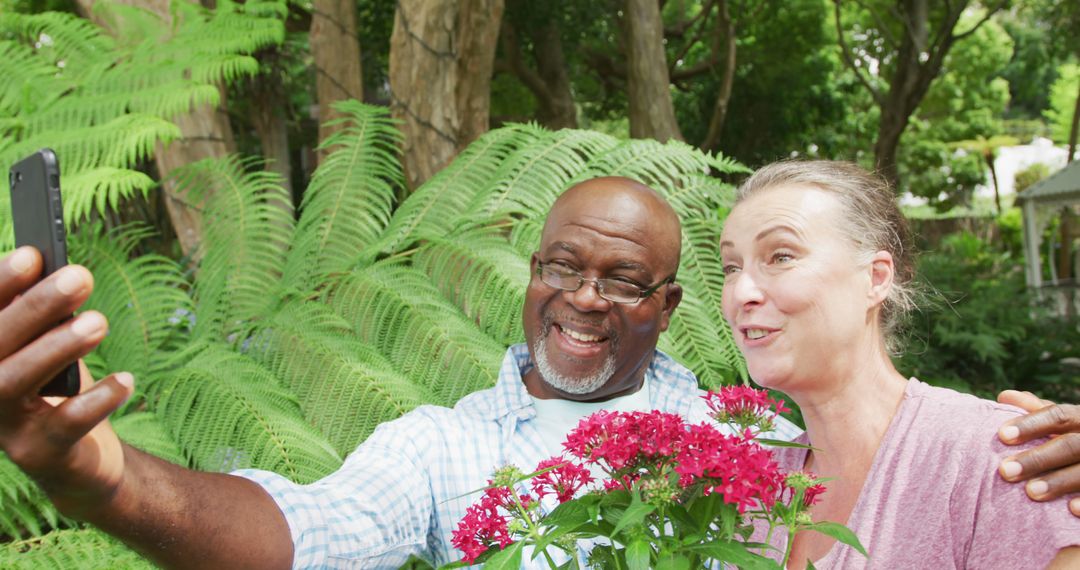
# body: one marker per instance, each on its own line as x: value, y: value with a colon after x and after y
x: 679, y: 29
x: 989, y: 13
x: 845, y: 53
x: 697, y: 37
x: 514, y: 63
x: 886, y: 33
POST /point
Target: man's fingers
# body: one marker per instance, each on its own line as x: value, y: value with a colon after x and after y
x: 26, y: 371
x: 1053, y: 454
x: 18, y: 271
x: 1026, y: 400
x: 1054, y: 484
x: 79, y: 414
x: 43, y: 306
x: 1051, y: 420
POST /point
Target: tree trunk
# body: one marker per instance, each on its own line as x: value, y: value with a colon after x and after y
x: 558, y: 110
x: 335, y: 49
x: 652, y: 114
x: 441, y: 57
x: 205, y: 133
x: 1074, y: 128
x: 268, y: 119
x: 989, y: 157
x: 549, y: 82
x: 725, y: 31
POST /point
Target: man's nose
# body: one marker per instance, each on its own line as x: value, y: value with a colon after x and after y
x: 587, y: 298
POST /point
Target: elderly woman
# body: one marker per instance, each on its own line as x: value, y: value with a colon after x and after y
x: 818, y: 271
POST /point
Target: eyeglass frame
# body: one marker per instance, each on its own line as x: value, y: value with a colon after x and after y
x: 645, y: 292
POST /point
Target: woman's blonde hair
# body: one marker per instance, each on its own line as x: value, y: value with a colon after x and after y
x: 871, y: 219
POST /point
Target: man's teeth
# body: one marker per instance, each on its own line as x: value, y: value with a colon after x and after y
x: 581, y: 336
x: 754, y: 334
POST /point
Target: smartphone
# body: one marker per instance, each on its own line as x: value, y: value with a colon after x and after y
x: 38, y: 216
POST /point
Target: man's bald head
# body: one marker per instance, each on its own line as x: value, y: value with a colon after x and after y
x: 630, y: 202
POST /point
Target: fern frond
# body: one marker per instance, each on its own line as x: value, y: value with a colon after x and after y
x: 530, y: 179
x: 345, y: 388
x: 31, y: 82
x: 24, y: 508
x: 246, y: 229
x: 141, y: 297
x: 101, y: 190
x: 59, y: 37
x: 228, y: 412
x: 86, y: 549
x: 348, y: 202
x: 227, y: 30
x: 699, y: 336
x: 145, y: 431
x: 483, y: 276
x: 399, y: 311
x: 432, y: 210
x: 525, y: 236
x: 122, y: 142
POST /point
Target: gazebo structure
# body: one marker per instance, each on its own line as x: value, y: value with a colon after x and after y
x: 1051, y: 197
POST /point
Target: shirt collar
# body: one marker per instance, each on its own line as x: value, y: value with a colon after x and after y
x: 673, y: 387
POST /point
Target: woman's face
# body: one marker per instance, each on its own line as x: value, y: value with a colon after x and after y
x: 798, y: 301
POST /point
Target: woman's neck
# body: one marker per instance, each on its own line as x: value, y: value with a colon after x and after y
x: 847, y: 416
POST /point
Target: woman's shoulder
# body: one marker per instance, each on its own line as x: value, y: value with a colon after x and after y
x: 966, y: 419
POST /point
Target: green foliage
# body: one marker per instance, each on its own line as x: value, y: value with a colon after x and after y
x: 1063, y: 95
x: 103, y: 105
x: 84, y: 549
x: 980, y: 332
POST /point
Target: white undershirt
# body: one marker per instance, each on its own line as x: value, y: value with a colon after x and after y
x: 556, y: 417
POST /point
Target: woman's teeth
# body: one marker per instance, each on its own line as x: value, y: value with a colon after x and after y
x: 754, y: 334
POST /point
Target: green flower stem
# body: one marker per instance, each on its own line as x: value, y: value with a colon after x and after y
x: 534, y: 531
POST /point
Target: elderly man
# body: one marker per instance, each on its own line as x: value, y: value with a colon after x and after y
x: 602, y: 290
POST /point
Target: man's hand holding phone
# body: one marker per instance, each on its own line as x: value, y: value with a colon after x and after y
x: 65, y: 444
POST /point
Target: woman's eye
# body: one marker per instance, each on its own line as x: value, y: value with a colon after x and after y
x: 782, y: 257
x: 730, y: 268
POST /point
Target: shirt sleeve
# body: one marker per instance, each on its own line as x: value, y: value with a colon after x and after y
x: 1010, y: 530
x: 373, y: 512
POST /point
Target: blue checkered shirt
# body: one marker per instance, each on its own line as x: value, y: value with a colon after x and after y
x: 405, y: 488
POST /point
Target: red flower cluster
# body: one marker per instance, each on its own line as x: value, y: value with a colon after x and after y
x: 483, y: 526
x: 563, y: 481
x: 626, y: 440
x: 741, y: 470
x: 745, y: 407
x: 643, y: 450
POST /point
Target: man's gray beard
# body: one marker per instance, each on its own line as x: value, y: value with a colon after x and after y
x: 567, y: 384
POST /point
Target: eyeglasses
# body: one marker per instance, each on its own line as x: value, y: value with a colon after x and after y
x: 614, y: 290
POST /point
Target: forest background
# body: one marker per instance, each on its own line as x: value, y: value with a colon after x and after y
x: 271, y: 251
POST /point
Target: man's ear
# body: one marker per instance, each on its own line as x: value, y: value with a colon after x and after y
x: 882, y: 272
x: 672, y: 297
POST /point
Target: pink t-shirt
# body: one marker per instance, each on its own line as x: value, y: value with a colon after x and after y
x: 933, y: 498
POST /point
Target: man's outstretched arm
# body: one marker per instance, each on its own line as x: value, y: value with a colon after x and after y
x: 1053, y: 468
x: 177, y: 517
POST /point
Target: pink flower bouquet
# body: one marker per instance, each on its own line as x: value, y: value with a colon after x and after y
x: 647, y: 490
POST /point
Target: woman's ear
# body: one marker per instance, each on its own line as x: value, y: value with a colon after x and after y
x: 882, y: 272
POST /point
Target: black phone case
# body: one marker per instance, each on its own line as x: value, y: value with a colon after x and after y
x: 38, y: 217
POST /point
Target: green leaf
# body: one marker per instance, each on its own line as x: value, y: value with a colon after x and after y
x: 839, y: 532
x: 673, y: 562
x: 508, y: 558
x: 638, y: 555
x: 737, y: 553
x: 781, y: 443
x: 634, y: 514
